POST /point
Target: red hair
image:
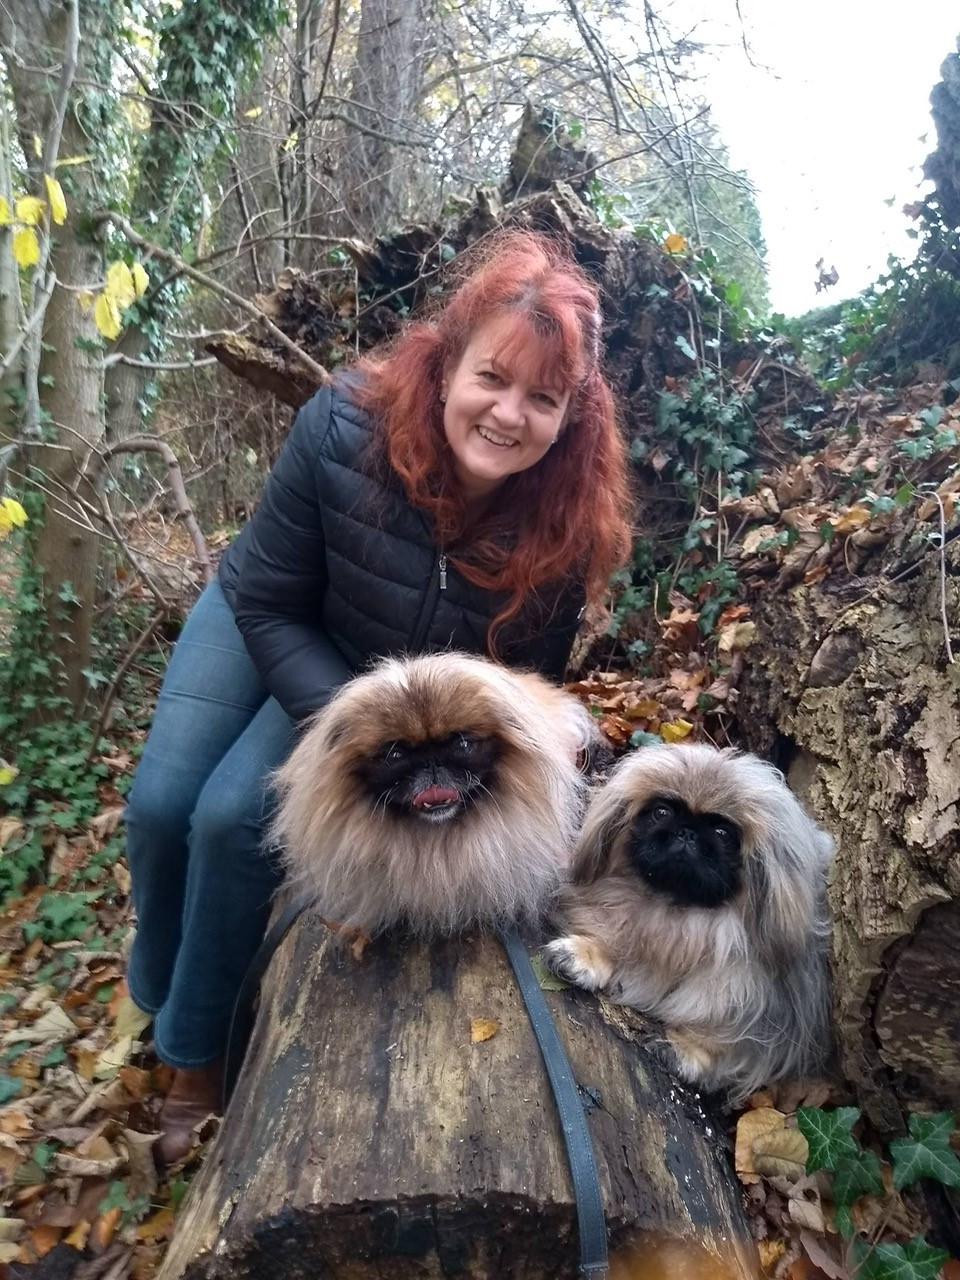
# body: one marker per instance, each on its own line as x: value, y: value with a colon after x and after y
x: 567, y: 515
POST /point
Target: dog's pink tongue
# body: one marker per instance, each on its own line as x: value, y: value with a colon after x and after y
x: 429, y: 797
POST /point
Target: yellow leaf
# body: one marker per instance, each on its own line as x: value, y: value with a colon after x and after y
x: 30, y: 209
x: 68, y: 160
x: 253, y: 113
x: 675, y: 731
x: 14, y: 512
x: 26, y: 247
x: 675, y: 244
x: 37, y: 145
x: 106, y: 315
x: 58, y: 205
x: 483, y: 1029
x: 4, y: 211
x: 85, y: 299
x: 854, y: 517
x: 120, y: 287
x: 7, y: 775
x: 291, y: 140
x: 140, y: 279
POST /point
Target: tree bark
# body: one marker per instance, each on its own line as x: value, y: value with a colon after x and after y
x: 370, y: 1137
x: 856, y: 675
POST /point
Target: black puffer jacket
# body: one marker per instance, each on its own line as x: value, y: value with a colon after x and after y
x: 336, y: 568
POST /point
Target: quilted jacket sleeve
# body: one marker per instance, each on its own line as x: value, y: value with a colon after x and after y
x: 283, y: 575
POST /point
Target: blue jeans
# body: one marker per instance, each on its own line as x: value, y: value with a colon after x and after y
x: 202, y: 880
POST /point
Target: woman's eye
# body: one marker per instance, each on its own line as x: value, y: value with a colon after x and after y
x: 546, y: 399
x: 488, y: 375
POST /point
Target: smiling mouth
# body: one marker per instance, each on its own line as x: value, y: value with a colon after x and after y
x: 501, y: 442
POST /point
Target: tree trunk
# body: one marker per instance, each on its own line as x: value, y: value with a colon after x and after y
x: 855, y: 673
x: 370, y: 1137
x: 387, y: 75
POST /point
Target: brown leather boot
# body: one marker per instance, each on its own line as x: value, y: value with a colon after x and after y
x: 194, y: 1096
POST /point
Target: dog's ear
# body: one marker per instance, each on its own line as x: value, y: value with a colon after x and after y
x: 787, y: 878
x: 600, y: 836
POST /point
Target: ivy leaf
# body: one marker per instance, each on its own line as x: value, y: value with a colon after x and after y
x: 10, y: 1087
x: 916, y: 1260
x: 855, y: 1176
x: 828, y: 1133
x: 926, y: 1154
x: 685, y: 347
x: 4, y: 211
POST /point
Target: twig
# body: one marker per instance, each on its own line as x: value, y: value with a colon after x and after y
x: 39, y: 311
x: 152, y: 444
x: 943, y: 576
x: 184, y: 268
x: 103, y: 723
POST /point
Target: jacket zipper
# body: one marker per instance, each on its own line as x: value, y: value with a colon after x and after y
x: 437, y: 583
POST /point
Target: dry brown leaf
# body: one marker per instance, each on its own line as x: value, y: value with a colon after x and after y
x: 105, y: 1227
x: 9, y: 1252
x: 77, y: 1238
x: 782, y: 1153
x: 770, y: 1251
x: 750, y: 1126
x: 142, y: 1175
x: 804, y: 1207
x: 159, y: 1226
x: 10, y: 829
x: 824, y: 1255
x: 78, y: 1167
x: 106, y: 821
x: 483, y: 1029
x: 737, y: 637
x: 42, y: 1239
x: 11, y: 1228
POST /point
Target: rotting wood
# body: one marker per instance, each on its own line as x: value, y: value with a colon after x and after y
x: 369, y: 1137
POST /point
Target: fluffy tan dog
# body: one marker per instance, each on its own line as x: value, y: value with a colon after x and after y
x: 697, y: 894
x: 439, y: 792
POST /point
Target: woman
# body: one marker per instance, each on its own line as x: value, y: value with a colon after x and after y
x: 466, y: 489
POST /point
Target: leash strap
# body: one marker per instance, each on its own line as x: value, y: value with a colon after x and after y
x: 566, y: 1092
x: 573, y: 1123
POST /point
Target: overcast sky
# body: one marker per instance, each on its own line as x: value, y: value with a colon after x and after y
x: 828, y: 125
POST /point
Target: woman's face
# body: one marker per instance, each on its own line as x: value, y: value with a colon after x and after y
x: 499, y: 418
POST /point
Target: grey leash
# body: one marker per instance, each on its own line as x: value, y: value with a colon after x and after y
x: 573, y: 1123
x: 566, y: 1092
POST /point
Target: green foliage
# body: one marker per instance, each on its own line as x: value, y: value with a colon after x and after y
x: 857, y: 1172
x: 926, y: 1153
x: 52, y: 750
x: 915, y: 1260
x: 908, y: 319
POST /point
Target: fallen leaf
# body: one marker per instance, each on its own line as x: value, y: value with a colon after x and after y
x: 10, y: 829
x: 781, y: 1152
x: 483, y: 1029
x: 105, y: 1227
x: 751, y: 1126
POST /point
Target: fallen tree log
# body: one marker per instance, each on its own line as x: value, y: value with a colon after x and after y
x: 856, y: 690
x: 372, y: 1135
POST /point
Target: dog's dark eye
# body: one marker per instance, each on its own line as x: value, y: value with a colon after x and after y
x: 725, y: 832
x: 661, y: 812
x: 393, y: 752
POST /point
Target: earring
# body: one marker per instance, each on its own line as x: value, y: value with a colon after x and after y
x: 443, y: 397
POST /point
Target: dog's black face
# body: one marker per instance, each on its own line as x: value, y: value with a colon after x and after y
x: 434, y: 780
x: 691, y: 858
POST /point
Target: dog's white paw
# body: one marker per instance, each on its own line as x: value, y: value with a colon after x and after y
x: 579, y: 960
x: 695, y: 1059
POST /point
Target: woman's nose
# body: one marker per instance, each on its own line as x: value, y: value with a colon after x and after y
x: 509, y: 408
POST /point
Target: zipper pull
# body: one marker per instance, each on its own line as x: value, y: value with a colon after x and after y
x: 443, y: 573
